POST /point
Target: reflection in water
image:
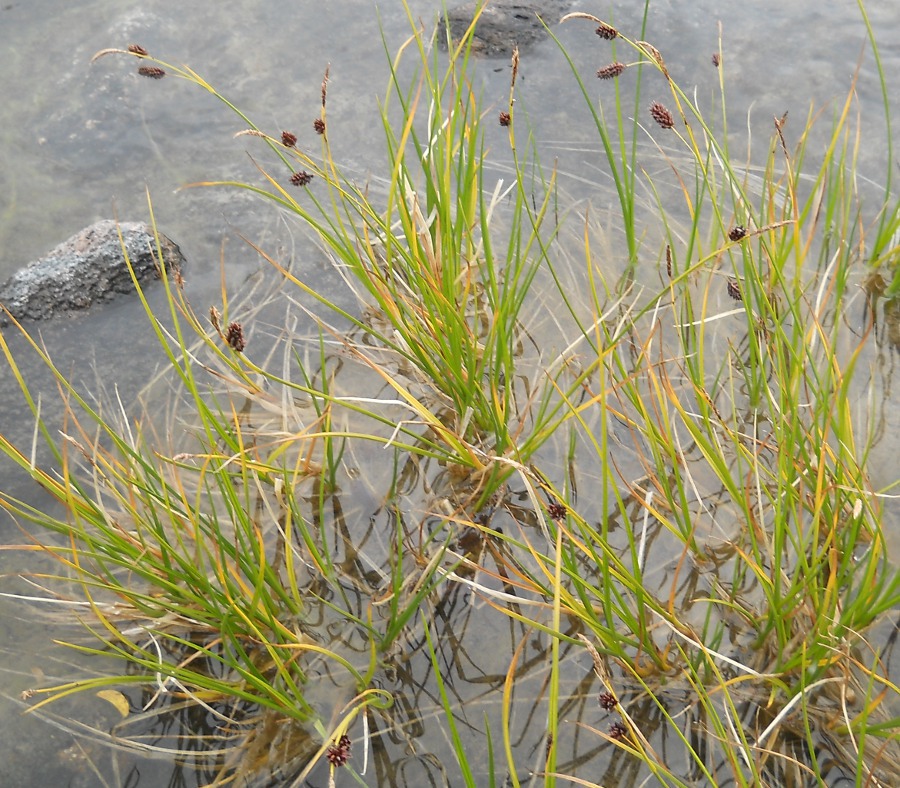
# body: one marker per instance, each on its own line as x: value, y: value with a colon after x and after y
x: 892, y: 324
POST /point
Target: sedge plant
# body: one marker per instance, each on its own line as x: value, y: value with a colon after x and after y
x: 675, y: 495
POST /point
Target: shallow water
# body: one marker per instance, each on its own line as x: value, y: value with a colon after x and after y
x: 81, y: 141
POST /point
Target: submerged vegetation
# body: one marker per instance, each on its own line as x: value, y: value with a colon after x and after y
x: 512, y: 514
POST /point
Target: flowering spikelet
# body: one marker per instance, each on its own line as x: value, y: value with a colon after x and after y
x: 661, y: 115
x: 301, y: 178
x: 319, y: 126
x: 505, y: 118
x: 288, y: 139
x: 556, y: 510
x: 137, y: 49
x: 611, y: 71
x: 737, y: 232
x: 154, y: 72
x: 339, y: 754
x: 617, y: 731
x: 716, y: 59
x: 234, y: 336
x: 607, y: 32
x: 608, y: 701
x: 734, y: 290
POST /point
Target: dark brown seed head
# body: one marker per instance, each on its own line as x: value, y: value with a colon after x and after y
x: 734, y: 290
x: 137, y: 49
x: 737, y: 232
x: 608, y: 701
x: 611, y: 71
x: 336, y: 756
x: 661, y: 115
x: 716, y: 59
x: 669, y: 260
x: 505, y: 119
x: 301, y: 178
x: 154, y: 72
x: 607, y: 32
x: 618, y: 731
x: 288, y: 139
x: 339, y: 754
x: 234, y: 336
x: 556, y: 510
x: 319, y: 125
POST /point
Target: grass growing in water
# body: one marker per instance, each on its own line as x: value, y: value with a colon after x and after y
x: 667, y: 487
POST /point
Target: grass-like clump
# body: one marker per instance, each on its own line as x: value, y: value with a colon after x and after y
x: 513, y: 479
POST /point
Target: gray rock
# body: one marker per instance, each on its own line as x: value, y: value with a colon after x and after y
x: 504, y: 24
x: 88, y: 268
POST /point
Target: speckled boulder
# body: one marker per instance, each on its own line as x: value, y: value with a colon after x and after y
x: 504, y: 24
x: 88, y: 268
